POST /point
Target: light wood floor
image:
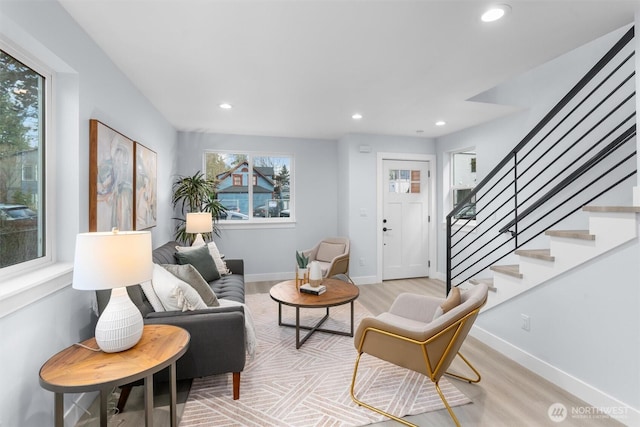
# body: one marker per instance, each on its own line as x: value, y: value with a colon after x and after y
x: 508, y: 394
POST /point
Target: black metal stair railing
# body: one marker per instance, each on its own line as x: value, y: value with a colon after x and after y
x: 581, y: 150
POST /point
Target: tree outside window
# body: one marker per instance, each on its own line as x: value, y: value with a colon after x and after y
x: 21, y: 154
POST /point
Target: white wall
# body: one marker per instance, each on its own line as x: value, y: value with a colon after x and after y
x: 359, y: 202
x: 269, y: 251
x: 585, y: 323
x: 87, y: 85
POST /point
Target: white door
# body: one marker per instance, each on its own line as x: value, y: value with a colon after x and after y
x: 405, y: 220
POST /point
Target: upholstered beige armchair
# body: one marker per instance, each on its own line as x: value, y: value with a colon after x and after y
x: 333, y: 255
x: 423, y: 334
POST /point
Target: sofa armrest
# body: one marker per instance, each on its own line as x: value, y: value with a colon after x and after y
x: 236, y: 266
x: 217, y: 343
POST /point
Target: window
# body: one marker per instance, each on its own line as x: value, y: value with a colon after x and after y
x: 463, y: 181
x: 22, y: 138
x: 404, y: 181
x: 269, y: 196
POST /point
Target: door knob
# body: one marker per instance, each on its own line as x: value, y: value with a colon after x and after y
x: 386, y: 229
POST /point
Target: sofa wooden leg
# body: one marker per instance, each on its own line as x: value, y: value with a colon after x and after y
x: 125, y: 390
x: 236, y: 385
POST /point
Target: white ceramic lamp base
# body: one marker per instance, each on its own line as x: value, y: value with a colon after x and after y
x: 120, y: 326
x: 198, y: 241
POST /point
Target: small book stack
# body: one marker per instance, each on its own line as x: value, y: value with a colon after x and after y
x: 308, y: 289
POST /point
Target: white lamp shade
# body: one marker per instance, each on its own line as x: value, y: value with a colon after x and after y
x: 199, y: 222
x: 107, y: 260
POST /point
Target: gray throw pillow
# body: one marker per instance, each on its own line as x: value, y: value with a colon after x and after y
x: 189, y: 274
x: 201, y: 259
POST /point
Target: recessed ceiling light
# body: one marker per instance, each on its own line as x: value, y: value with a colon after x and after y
x: 441, y: 123
x: 495, y: 12
x: 226, y: 106
x: 356, y: 116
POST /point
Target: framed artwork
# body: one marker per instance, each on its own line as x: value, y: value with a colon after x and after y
x: 111, y: 195
x: 145, y: 180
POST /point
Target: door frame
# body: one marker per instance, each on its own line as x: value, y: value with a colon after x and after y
x: 432, y: 229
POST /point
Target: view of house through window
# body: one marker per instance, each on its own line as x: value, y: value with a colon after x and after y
x: 21, y: 162
x: 252, y: 186
x: 463, y: 166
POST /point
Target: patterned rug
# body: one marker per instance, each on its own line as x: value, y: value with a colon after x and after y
x: 282, y: 386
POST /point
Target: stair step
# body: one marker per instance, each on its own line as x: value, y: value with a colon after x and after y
x: 544, y: 254
x: 510, y: 270
x: 623, y: 209
x: 571, y: 234
x: 488, y: 282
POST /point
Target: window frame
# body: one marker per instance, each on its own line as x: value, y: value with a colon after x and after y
x: 452, y: 185
x: 273, y: 222
x: 45, y: 157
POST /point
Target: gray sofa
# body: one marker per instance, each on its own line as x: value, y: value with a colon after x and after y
x: 217, y: 343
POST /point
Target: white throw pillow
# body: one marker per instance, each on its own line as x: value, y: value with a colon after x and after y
x: 217, y: 258
x: 221, y: 266
x: 147, y: 288
x: 174, y: 293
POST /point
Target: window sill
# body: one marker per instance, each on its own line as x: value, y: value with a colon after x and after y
x: 466, y: 228
x: 24, y: 289
x: 247, y: 225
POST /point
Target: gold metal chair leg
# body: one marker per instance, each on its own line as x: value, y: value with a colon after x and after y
x: 453, y: 416
x: 460, y: 377
x: 380, y: 411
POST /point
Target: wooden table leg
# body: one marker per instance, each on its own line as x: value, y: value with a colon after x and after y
x: 173, y: 395
x: 58, y: 409
x: 148, y: 401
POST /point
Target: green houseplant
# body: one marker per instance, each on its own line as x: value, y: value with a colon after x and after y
x: 302, y: 260
x: 195, y: 193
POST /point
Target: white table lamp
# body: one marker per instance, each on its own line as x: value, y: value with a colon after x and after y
x: 114, y: 260
x: 199, y: 222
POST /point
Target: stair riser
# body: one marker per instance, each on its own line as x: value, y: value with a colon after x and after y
x: 611, y: 229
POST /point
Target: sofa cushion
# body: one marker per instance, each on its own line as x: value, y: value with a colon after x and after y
x: 201, y: 259
x: 174, y: 293
x: 152, y: 297
x: 190, y: 275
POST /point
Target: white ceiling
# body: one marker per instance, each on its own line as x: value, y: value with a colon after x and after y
x: 302, y: 68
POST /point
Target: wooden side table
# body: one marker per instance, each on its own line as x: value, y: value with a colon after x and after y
x: 77, y: 369
x: 338, y: 293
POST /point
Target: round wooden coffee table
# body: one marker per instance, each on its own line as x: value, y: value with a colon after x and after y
x: 338, y: 293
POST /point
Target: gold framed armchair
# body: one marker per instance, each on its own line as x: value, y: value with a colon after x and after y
x: 333, y: 255
x: 423, y: 334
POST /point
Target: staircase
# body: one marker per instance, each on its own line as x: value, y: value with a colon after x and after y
x: 609, y: 227
x: 580, y: 155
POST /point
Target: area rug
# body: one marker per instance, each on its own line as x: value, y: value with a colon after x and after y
x: 282, y: 386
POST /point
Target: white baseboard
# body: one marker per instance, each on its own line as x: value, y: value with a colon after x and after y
x: 595, y: 398
x: 269, y: 277
x: 81, y: 404
x: 272, y: 277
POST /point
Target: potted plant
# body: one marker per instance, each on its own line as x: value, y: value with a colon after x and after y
x: 195, y: 194
x: 302, y: 272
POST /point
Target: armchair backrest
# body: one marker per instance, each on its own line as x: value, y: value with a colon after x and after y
x: 449, y: 331
x: 334, y: 252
